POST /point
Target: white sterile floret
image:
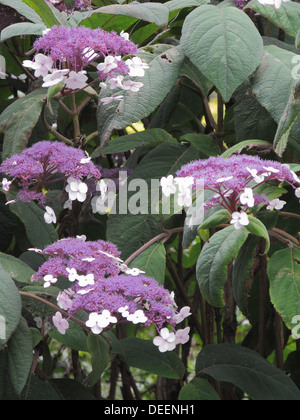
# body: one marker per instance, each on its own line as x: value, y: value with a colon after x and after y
x: 48, y: 280
x: 6, y: 184
x: 49, y: 215
x: 87, y: 280
x: 257, y: 178
x: 137, y: 317
x: 108, y: 100
x: 110, y: 63
x: 42, y: 65
x: 276, y: 204
x: 182, y: 336
x: 97, y: 322
x: 134, y: 271
x: 136, y: 67
x: 246, y: 198
x: 239, y: 220
x: 54, y: 78
x: 76, y: 189
x: 124, y: 35
x: 72, y: 274
x: 132, y: 86
x: 297, y: 192
x: 168, y: 185
x: 76, y: 80
x: 60, y: 323
x: 124, y: 311
x: 166, y: 341
x: 184, y: 313
x: 116, y: 82
x: 64, y: 301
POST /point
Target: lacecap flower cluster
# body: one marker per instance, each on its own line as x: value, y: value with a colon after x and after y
x: 36, y: 168
x: 233, y: 183
x: 110, y: 292
x: 64, y: 53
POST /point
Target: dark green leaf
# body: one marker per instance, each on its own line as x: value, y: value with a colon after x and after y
x: 153, y: 262
x: 10, y: 307
x: 216, y: 219
x: 99, y: 349
x: 224, y: 44
x: 143, y: 354
x: 16, y: 268
x: 45, y: 11
x: 216, y: 255
x: 19, y: 119
x: 256, y: 227
x: 198, y: 390
x: 247, y: 370
x: 284, y: 276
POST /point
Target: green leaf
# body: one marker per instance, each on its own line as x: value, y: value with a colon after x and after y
x: 287, y: 17
x: 243, y: 145
x: 17, y: 359
x: 38, y: 231
x: 274, y: 80
x: 284, y: 276
x: 224, y: 44
x: 19, y: 119
x: 22, y: 28
x: 74, y: 337
x: 23, y: 9
x: 143, y: 354
x: 71, y: 390
x: 152, y: 136
x: 16, y: 268
x: 181, y: 4
x: 243, y: 271
x: 99, y: 351
x: 297, y: 41
x: 153, y: 262
x: 198, y: 390
x: 151, y: 12
x: 44, y: 10
x: 204, y: 143
x: 288, y: 119
x: 247, y: 370
x: 158, y: 80
x: 256, y: 227
x: 212, y: 264
x: 10, y: 307
x: 216, y: 219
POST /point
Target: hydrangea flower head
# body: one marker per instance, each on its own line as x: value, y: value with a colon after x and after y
x: 43, y: 163
x: 74, y: 48
x: 108, y: 294
x: 233, y: 180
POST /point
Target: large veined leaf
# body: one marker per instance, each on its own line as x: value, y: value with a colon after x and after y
x: 180, y: 4
x: 274, y: 80
x: 38, y: 231
x: 22, y: 28
x: 153, y: 262
x: 224, y: 44
x: 284, y: 276
x: 288, y: 119
x: 18, y: 120
x: 16, y: 268
x: 151, y: 12
x: 212, y: 264
x: 287, y: 17
x: 247, y: 370
x: 46, y: 11
x: 158, y: 80
x: 10, y: 307
x: 16, y: 359
x: 198, y: 390
x: 23, y: 9
x: 143, y: 354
